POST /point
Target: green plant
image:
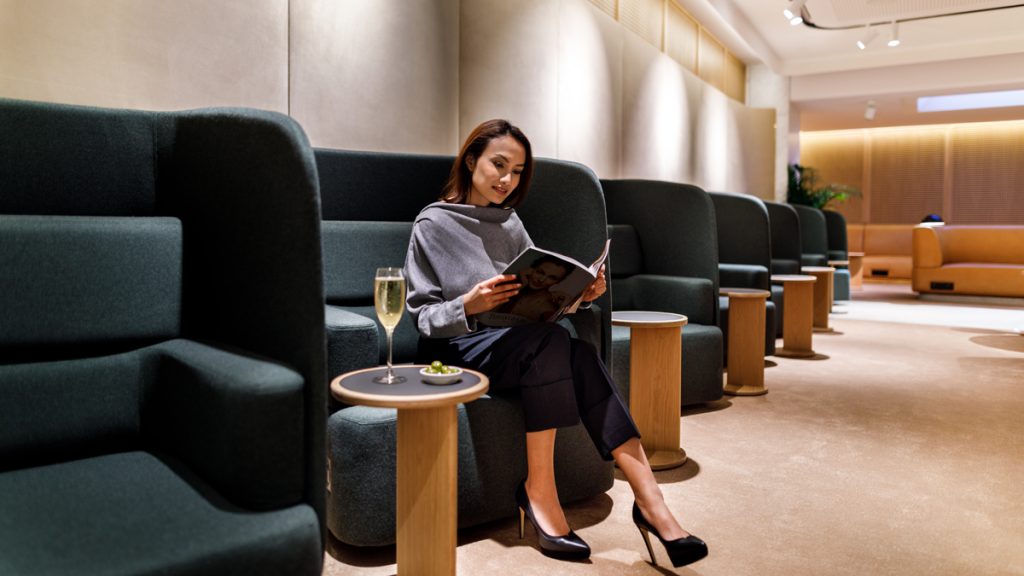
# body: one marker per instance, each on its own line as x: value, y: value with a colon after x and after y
x: 803, y: 188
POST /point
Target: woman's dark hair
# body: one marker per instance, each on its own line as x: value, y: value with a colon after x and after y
x: 460, y: 181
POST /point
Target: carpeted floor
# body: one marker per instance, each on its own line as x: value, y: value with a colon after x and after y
x: 900, y: 452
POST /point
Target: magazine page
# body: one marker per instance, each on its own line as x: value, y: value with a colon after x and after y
x: 551, y: 283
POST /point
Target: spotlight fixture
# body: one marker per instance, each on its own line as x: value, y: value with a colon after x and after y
x: 869, y: 110
x: 792, y: 12
x: 869, y: 35
x: 894, y: 37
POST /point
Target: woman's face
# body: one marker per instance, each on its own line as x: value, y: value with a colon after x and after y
x: 544, y: 276
x: 496, y: 172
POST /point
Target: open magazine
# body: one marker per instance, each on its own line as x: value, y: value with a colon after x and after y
x: 553, y: 286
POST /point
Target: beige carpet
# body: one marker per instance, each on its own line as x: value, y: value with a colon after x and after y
x: 901, y: 453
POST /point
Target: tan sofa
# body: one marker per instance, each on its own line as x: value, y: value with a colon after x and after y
x: 975, y: 260
x: 887, y: 249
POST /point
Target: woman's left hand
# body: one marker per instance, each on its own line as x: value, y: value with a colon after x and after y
x: 597, y: 288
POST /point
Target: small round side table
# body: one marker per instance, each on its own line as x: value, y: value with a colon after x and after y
x: 823, y: 290
x: 655, y: 379
x: 427, y: 459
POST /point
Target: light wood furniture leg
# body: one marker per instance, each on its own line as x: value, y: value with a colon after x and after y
x: 427, y: 490
x: 822, y: 295
x: 856, y: 271
x: 655, y: 371
x: 798, y: 320
x: 745, y: 376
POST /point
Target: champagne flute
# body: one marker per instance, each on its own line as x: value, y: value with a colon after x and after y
x: 389, y: 300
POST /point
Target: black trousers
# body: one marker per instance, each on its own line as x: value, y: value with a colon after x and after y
x: 561, y: 380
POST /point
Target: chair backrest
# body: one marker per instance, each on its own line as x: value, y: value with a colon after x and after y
x: 835, y: 225
x: 370, y: 200
x: 786, y: 242
x: 132, y: 227
x: 675, y: 230
x: 744, y: 240
x: 813, y: 235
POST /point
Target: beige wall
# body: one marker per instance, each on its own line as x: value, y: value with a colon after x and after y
x: 376, y: 75
x: 149, y: 54
x: 587, y: 89
x: 400, y: 75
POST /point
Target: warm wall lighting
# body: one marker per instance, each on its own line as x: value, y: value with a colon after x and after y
x: 792, y: 12
x: 894, y: 37
x: 869, y: 35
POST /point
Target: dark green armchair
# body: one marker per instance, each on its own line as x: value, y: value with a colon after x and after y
x: 162, y: 403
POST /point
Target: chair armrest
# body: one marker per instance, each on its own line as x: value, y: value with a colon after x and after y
x: 743, y: 276
x: 234, y: 421
x: 927, y: 248
x: 692, y: 297
x: 352, y: 341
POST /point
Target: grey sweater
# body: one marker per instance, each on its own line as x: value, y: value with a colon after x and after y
x: 453, y: 248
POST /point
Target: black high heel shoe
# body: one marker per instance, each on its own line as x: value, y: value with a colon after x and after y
x: 681, y: 551
x: 568, y: 547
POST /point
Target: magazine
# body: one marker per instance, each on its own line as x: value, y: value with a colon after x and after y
x: 553, y: 286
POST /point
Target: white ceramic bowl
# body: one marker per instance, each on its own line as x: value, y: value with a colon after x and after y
x: 450, y: 378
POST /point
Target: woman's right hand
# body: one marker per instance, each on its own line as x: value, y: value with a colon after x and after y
x: 490, y: 294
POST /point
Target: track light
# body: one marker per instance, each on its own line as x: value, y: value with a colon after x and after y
x: 869, y: 35
x: 894, y: 37
x: 869, y: 110
x: 792, y: 12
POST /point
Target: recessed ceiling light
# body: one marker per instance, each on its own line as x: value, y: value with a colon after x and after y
x: 974, y: 101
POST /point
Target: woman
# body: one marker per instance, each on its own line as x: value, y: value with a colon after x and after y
x: 458, y: 249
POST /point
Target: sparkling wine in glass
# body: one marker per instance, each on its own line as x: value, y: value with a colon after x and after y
x: 389, y: 299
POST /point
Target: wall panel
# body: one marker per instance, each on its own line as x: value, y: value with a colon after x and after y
x: 645, y: 18
x: 711, y: 63
x: 377, y: 74
x: 589, y: 87
x: 682, y: 35
x: 659, y: 107
x: 906, y: 175
x: 987, y: 164
x: 511, y: 70
x: 146, y: 54
x: 839, y: 158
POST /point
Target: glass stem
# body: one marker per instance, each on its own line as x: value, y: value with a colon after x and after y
x: 391, y: 376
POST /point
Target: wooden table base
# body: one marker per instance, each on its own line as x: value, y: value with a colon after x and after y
x: 655, y: 376
x: 427, y: 490
x: 798, y: 316
x: 823, y: 291
x: 745, y: 371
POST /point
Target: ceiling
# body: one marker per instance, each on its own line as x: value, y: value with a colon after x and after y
x: 947, y: 46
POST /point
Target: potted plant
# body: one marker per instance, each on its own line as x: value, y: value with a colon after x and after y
x: 803, y: 188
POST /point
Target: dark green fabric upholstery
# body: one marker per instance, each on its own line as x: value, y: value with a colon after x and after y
x: 207, y: 347
x: 677, y: 250
x: 786, y: 251
x: 813, y: 236
x: 786, y: 242
x: 835, y: 226
x: 369, y: 203
x: 143, y: 513
x: 85, y: 281
x: 744, y: 254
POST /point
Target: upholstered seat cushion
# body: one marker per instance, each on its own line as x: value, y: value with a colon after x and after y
x: 145, y: 515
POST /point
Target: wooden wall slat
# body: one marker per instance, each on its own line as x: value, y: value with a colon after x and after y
x: 682, y: 34
x: 987, y: 165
